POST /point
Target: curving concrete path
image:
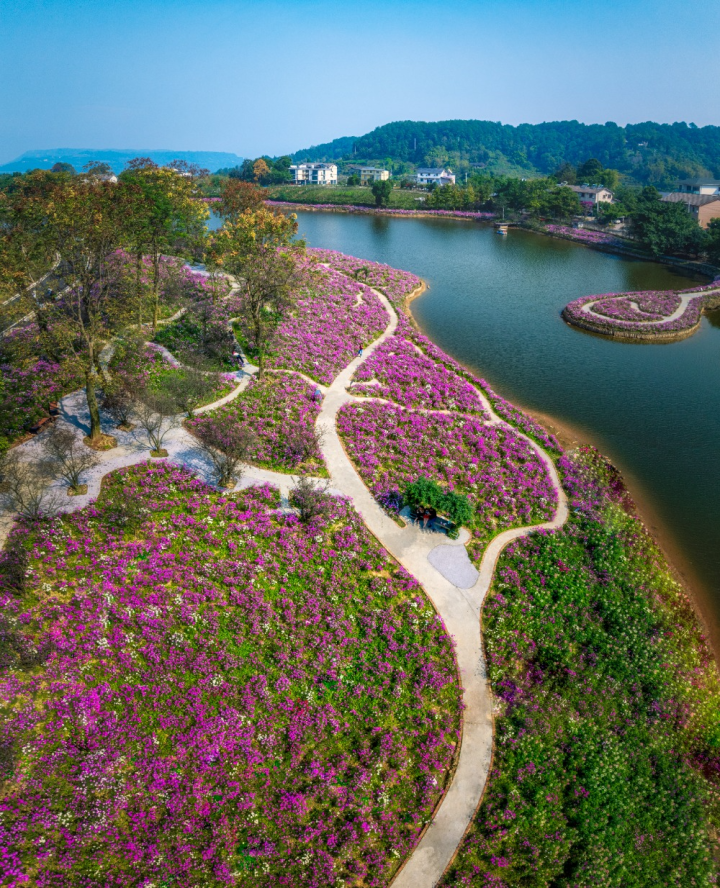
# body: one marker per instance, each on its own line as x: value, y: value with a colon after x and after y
x: 458, y: 606
x: 678, y: 313
x: 441, y: 566
x: 133, y: 448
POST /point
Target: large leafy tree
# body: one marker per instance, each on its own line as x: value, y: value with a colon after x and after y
x: 164, y: 215
x: 84, y: 223
x: 663, y: 227
x: 712, y: 243
x: 237, y: 196
x: 381, y: 192
x: 560, y: 203
x: 26, y: 245
x: 259, y: 250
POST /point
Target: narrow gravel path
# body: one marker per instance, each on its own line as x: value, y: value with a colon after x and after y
x: 459, y: 609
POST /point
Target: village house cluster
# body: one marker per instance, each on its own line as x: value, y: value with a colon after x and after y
x: 700, y: 196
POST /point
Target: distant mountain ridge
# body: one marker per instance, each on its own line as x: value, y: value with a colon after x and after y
x: 117, y: 158
x: 649, y: 153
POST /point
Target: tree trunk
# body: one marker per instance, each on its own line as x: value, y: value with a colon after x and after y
x: 156, y: 287
x: 95, y: 429
x: 259, y: 345
x: 138, y: 286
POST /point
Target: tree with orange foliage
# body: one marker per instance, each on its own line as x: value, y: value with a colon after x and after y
x: 238, y: 196
x: 259, y: 249
x: 260, y: 169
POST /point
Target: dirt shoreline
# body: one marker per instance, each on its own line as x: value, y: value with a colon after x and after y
x: 696, y: 591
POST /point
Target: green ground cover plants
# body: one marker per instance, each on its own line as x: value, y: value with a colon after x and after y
x: 202, y: 690
x: 607, y: 755
x: 358, y: 195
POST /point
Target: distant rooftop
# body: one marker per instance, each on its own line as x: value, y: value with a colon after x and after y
x: 431, y: 171
x: 693, y: 200
x: 593, y: 189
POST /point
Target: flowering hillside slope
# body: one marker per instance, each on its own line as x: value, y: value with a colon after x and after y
x: 280, y: 410
x: 201, y: 690
x: 606, y: 765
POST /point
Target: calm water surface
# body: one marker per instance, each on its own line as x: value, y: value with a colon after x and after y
x: 494, y: 303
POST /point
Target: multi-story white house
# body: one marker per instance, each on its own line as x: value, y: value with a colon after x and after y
x: 592, y: 194
x: 314, y: 173
x: 434, y: 176
x: 699, y: 186
x: 372, y: 174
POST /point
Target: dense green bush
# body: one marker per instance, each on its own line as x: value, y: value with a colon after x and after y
x: 428, y: 493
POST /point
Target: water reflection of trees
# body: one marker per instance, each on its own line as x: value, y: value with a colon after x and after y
x: 713, y: 317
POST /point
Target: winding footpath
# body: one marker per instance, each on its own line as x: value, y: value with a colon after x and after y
x: 440, y: 565
x: 458, y: 607
x: 639, y: 324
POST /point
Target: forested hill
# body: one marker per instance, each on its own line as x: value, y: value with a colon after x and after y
x: 648, y: 152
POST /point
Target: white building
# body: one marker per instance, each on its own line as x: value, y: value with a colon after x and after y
x: 592, y: 194
x: 434, y: 176
x: 372, y: 174
x: 699, y: 186
x: 314, y: 173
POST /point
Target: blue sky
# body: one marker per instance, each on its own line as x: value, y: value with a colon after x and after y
x: 278, y: 75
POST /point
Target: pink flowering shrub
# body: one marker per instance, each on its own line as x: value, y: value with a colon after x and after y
x: 520, y: 420
x: 504, y: 409
x: 398, y: 371
x: 477, y: 215
x: 279, y: 408
x: 395, y: 284
x: 582, y: 235
x: 506, y: 482
x: 645, y: 306
x: 332, y: 318
x: 218, y: 695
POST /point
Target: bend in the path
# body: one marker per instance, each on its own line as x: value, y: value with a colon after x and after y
x: 460, y: 611
x: 132, y: 449
x: 685, y: 301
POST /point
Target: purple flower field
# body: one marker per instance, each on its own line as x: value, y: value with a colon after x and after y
x: 500, y: 472
x: 606, y: 766
x: 411, y: 379
x: 384, y: 211
x: 582, y: 235
x: 199, y: 690
x: 645, y: 306
x: 332, y: 319
x: 395, y: 284
x: 280, y: 410
x: 617, y: 311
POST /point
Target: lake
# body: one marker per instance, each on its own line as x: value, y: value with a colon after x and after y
x: 494, y: 304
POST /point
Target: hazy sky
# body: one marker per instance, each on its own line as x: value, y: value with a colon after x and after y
x: 279, y: 75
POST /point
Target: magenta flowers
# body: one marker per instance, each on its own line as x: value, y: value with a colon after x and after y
x: 281, y: 411
x: 210, y: 692
x: 500, y: 471
x: 642, y: 315
x: 332, y: 318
